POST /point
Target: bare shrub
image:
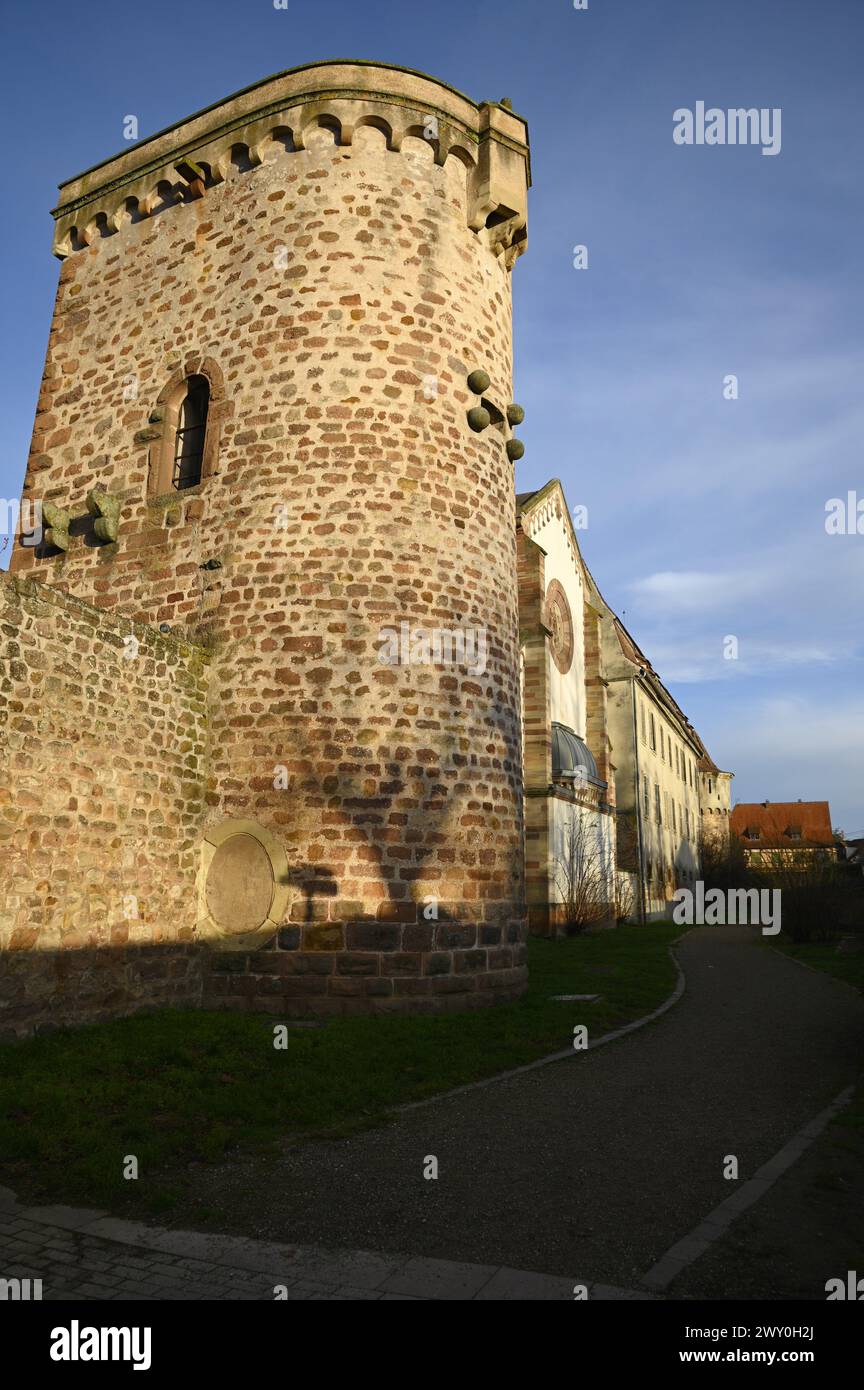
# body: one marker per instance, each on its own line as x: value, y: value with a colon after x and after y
x: 814, y: 893
x: 580, y: 875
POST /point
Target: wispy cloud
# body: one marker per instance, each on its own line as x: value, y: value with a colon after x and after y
x: 671, y: 592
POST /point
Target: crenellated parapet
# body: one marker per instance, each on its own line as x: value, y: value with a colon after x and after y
x: 180, y: 164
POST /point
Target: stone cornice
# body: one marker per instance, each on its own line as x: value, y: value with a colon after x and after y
x: 489, y: 139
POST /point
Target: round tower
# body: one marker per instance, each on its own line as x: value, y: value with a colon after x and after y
x: 314, y: 276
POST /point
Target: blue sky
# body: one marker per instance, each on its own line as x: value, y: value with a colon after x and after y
x: 706, y: 516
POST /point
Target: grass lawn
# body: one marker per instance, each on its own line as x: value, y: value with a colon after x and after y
x: 823, y: 955
x: 182, y: 1086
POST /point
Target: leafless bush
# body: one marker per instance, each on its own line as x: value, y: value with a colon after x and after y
x: 580, y: 875
x: 814, y: 893
x: 724, y: 863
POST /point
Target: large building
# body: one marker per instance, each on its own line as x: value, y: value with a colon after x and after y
x: 277, y: 633
x: 570, y: 815
x: 608, y: 750
x: 778, y: 833
x: 274, y: 430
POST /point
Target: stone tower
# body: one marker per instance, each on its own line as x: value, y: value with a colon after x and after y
x: 324, y: 260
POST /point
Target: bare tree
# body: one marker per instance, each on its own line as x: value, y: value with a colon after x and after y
x: 816, y: 893
x: 581, y: 876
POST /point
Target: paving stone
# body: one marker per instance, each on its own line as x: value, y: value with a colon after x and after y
x: 515, y: 1285
x: 106, y: 1259
x: 444, y: 1279
x: 355, y: 1269
x: 125, y: 1232
x: 68, y: 1218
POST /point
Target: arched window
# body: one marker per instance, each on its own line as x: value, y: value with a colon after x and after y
x: 184, y: 429
x: 191, y: 433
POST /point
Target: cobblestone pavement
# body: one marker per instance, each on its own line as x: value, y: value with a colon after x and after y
x: 81, y: 1254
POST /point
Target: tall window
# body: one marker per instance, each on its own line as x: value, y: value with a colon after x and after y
x: 642, y: 712
x: 645, y: 798
x: 653, y: 733
x: 191, y: 430
x: 657, y: 812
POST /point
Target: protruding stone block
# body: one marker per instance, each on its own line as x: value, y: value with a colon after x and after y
x: 106, y: 510
x: 57, y: 528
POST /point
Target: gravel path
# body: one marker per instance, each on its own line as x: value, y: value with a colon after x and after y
x: 598, y: 1163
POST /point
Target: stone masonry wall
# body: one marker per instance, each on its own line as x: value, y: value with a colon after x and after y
x: 336, y: 295
x: 101, y: 800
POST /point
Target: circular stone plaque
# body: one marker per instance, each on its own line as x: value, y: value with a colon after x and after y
x: 239, y: 888
x: 560, y: 623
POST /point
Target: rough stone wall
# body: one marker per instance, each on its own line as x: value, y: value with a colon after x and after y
x: 101, y: 800
x: 536, y: 729
x: 337, y: 298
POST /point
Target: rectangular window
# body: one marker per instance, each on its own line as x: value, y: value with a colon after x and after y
x: 642, y: 714
x: 674, y: 820
x: 677, y: 761
x: 645, y: 796
x: 687, y: 821
x: 657, y: 812
x: 653, y: 733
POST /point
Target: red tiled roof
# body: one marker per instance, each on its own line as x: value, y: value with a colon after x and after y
x: 775, y: 820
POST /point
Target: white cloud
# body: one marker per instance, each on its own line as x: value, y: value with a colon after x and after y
x: 693, y: 591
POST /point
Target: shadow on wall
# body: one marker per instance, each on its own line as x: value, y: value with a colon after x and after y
x: 407, y: 820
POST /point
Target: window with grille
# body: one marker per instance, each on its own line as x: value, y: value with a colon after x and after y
x: 191, y: 431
